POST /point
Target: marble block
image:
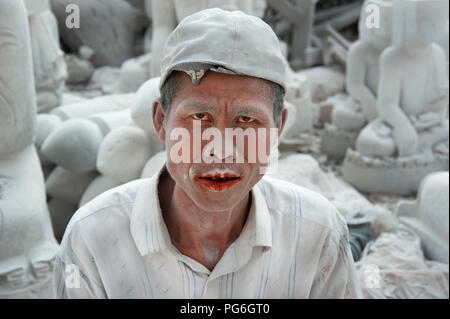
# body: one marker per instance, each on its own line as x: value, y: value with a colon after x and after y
x: 130, y: 145
x: 141, y: 110
x: 87, y: 108
x: 98, y: 185
x: 46, y: 123
x: 74, y: 145
x: 428, y: 216
x: 133, y: 73
x: 68, y: 186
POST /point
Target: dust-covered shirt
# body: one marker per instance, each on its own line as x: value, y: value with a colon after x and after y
x: 294, y: 244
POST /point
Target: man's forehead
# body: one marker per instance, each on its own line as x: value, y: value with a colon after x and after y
x: 215, y: 81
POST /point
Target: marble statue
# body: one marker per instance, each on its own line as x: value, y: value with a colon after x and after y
x: 409, y: 137
x: 46, y: 123
x: 300, y: 111
x: 27, y: 243
x: 428, y: 216
x: 141, y: 110
x: 351, y: 112
x: 50, y: 70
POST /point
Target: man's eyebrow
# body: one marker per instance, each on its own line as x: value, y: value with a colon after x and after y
x: 241, y: 111
x: 202, y: 107
x: 249, y: 110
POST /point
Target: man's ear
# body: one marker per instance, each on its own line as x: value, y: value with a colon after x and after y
x: 158, y: 120
x: 281, y: 120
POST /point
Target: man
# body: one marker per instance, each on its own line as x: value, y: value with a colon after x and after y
x: 210, y: 226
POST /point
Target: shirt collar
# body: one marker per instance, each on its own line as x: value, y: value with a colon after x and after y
x: 150, y: 233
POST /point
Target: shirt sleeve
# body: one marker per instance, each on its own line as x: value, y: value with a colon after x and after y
x: 76, y: 275
x: 336, y: 275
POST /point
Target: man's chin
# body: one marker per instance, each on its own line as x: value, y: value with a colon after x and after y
x: 217, y: 201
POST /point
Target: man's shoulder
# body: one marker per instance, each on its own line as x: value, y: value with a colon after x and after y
x: 117, y: 201
x: 286, y: 198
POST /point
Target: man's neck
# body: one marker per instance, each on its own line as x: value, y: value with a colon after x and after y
x: 200, y: 234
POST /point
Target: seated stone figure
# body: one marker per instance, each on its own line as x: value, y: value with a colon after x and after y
x: 412, y: 102
x: 27, y: 243
x: 413, y: 91
x: 351, y: 112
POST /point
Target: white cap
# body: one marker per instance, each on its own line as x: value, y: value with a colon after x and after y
x: 223, y: 41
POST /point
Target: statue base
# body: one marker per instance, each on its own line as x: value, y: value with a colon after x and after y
x: 392, y: 176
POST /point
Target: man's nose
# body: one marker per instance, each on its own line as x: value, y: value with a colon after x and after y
x: 227, y: 152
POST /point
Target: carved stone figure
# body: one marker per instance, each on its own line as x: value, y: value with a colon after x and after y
x: 50, y: 71
x: 27, y: 243
x: 409, y: 138
x: 351, y: 112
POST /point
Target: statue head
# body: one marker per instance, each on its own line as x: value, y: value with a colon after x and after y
x: 419, y: 22
x: 375, y: 23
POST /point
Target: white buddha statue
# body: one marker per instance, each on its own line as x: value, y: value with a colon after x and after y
x: 351, y: 112
x: 413, y: 88
x: 363, y: 69
x: 27, y: 243
x: 409, y: 137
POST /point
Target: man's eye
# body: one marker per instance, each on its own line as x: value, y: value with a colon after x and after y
x: 200, y: 116
x: 245, y: 119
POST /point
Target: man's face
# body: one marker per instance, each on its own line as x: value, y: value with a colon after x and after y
x: 218, y: 178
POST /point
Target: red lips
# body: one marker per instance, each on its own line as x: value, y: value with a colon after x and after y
x: 218, y: 182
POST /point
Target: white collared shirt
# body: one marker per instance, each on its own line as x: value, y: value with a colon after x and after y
x: 294, y: 244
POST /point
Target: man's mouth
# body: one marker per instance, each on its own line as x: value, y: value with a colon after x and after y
x: 218, y: 182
